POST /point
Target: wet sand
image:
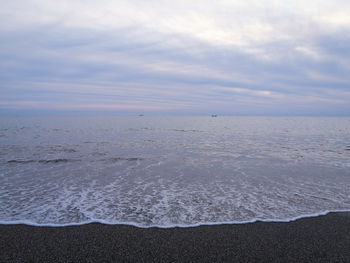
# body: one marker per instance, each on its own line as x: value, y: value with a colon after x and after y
x: 317, y: 239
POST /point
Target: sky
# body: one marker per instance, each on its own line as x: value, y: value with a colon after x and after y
x: 183, y: 57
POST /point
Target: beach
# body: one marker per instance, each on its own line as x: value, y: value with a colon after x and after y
x: 174, y: 189
x: 314, y: 239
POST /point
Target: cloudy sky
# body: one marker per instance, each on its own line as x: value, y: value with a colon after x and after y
x: 229, y: 57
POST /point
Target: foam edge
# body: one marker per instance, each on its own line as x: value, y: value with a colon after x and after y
x: 104, y: 222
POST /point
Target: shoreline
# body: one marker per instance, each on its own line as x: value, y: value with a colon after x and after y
x: 103, y: 222
x: 323, y: 238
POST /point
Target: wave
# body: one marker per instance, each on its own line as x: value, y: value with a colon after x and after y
x: 65, y: 160
x: 59, y: 160
x: 118, y: 159
x: 21, y: 161
x: 101, y: 221
x: 182, y: 130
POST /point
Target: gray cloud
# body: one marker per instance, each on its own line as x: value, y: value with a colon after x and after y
x: 63, y: 63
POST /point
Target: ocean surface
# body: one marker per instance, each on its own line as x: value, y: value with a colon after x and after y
x: 171, y: 171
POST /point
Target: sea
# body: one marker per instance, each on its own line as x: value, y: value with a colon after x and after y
x: 168, y: 171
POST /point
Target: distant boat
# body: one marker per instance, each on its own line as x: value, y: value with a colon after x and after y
x: 140, y: 115
x: 214, y: 115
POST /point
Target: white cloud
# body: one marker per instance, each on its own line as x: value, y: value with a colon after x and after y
x: 309, y: 51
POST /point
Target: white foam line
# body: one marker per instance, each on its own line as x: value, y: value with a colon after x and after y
x: 29, y: 223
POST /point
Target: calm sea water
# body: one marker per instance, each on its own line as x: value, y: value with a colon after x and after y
x: 166, y: 171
